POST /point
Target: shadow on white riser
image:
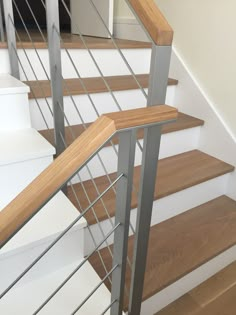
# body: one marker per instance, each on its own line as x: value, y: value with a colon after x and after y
x: 164, y: 208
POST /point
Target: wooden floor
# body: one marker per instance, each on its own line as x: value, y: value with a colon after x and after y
x: 181, y: 244
x: 71, y: 41
x: 42, y: 88
x: 175, y: 173
x: 216, y: 296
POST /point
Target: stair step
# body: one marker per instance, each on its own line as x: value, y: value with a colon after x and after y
x: 42, y: 88
x: 211, y: 297
x: 183, y: 122
x: 181, y: 244
x: 175, y: 173
x: 72, y: 41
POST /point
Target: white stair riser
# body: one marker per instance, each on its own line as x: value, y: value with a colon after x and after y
x: 165, y: 208
x: 103, y: 101
x: 65, y: 252
x: 171, y: 144
x: 14, y: 112
x: 66, y: 300
x: 17, y: 176
x: 189, y: 282
x: 108, y: 60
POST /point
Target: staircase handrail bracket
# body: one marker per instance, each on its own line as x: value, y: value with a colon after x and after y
x: 153, y: 20
x: 20, y: 210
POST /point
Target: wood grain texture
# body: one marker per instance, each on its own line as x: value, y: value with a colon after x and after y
x: 181, y: 244
x: 71, y: 133
x: 42, y: 89
x: 52, y: 178
x: 153, y: 20
x: 71, y: 41
x: 175, y: 173
x: 205, y: 297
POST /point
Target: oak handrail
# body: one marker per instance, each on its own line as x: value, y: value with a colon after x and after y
x: 153, y: 20
x: 34, y: 196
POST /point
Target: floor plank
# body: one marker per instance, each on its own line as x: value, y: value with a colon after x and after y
x: 42, y: 89
x: 174, y: 174
x: 71, y: 41
x: 181, y: 244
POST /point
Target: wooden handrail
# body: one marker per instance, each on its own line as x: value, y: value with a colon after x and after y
x: 34, y: 196
x: 153, y: 20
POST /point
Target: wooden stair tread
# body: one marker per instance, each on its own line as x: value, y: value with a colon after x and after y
x: 175, y: 173
x: 72, y: 41
x: 211, y: 293
x: 42, y: 89
x: 181, y: 244
x: 183, y: 122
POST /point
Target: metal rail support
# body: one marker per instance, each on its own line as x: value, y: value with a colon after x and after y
x: 54, y: 48
x: 127, y: 141
x: 11, y: 37
x: 2, y: 37
x: 158, y: 81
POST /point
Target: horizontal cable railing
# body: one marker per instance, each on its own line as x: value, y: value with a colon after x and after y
x: 19, y: 212
x: 53, y: 112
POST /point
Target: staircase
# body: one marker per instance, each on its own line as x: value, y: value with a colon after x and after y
x: 193, y: 220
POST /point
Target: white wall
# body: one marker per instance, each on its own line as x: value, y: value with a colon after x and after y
x: 205, y: 37
x: 121, y: 9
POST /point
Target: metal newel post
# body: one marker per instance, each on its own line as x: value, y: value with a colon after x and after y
x: 11, y: 37
x: 127, y: 141
x: 156, y: 96
x: 2, y: 38
x: 54, y: 48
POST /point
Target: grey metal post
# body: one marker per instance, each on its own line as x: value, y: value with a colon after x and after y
x: 2, y: 37
x: 11, y: 37
x: 158, y: 81
x: 54, y: 48
x: 127, y: 141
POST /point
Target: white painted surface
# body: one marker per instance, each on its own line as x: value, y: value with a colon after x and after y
x: 204, y: 33
x: 167, y: 207
x: 4, y: 62
x: 14, y: 109
x: 109, y: 62
x: 10, y: 85
x: 15, y: 177
x: 66, y: 301
x: 68, y: 250
x: 22, y: 145
x: 129, y: 27
x: 52, y: 219
x: 104, y: 103
x: 86, y: 21
x: 171, y: 144
x: 215, y: 138
x: 187, y: 283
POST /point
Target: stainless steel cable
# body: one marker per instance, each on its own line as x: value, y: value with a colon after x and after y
x: 94, y: 290
x: 118, y: 48
x: 56, y: 240
x: 108, y: 307
x: 74, y: 271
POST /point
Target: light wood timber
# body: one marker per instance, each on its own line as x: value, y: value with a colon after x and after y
x: 153, y: 20
x: 181, y: 244
x: 42, y: 88
x: 21, y: 209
